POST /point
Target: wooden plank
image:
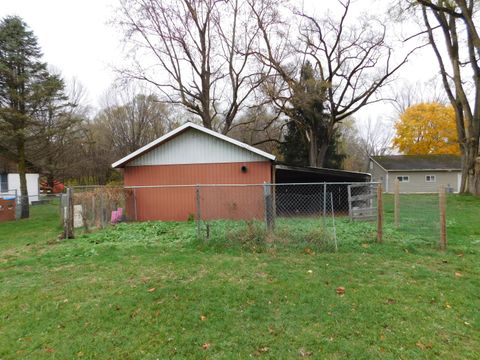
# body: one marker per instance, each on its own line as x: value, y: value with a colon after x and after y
x: 362, y: 197
x: 364, y: 210
x: 372, y: 217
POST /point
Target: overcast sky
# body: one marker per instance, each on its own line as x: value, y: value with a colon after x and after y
x: 77, y: 39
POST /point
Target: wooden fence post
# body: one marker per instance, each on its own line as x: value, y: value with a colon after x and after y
x: 379, y: 213
x: 68, y: 232
x: 443, y: 218
x: 397, y: 203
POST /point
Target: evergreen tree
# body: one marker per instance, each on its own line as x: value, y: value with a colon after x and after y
x: 307, y: 141
x: 25, y: 88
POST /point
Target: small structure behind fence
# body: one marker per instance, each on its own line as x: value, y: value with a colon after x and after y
x: 298, y: 212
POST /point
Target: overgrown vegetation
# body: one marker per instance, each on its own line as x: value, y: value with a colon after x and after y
x: 151, y: 290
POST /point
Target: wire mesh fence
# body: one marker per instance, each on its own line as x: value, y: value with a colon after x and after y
x: 92, y: 207
x: 416, y: 215
x: 254, y: 214
x: 313, y: 214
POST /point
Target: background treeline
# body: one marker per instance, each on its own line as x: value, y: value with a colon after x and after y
x: 266, y: 72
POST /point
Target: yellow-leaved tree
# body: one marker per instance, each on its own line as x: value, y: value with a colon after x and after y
x: 427, y: 128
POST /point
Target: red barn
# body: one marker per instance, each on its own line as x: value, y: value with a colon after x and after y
x: 191, y: 155
x: 163, y: 175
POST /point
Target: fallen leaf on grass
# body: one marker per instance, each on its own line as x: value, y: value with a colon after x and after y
x: 144, y: 279
x: 340, y: 290
x: 305, y: 353
x: 135, y: 313
x: 423, y: 346
x: 458, y: 274
x: 308, y: 251
x: 152, y: 289
x: 203, y: 317
x: 49, y: 350
x: 81, y: 353
x: 365, y: 245
x: 310, y: 271
x: 391, y: 301
x: 206, y: 346
x: 261, y: 350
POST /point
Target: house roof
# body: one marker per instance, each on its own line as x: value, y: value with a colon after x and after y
x: 418, y: 162
x: 181, y: 129
x: 298, y: 174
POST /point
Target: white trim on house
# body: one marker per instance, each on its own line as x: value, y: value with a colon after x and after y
x: 433, y: 178
x: 182, y: 128
x: 459, y: 181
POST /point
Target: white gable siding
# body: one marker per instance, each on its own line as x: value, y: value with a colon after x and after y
x: 195, y: 147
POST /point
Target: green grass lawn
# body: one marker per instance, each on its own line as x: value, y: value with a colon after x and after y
x: 153, y: 291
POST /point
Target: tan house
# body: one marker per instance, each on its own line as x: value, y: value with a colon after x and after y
x: 417, y: 173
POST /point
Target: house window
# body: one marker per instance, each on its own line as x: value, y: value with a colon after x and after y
x: 403, y: 178
x: 430, y: 178
x: 3, y: 182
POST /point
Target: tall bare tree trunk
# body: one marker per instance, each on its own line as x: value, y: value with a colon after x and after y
x: 322, y: 154
x: 471, y: 166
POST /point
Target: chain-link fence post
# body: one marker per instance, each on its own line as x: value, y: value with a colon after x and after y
x: 268, y: 201
x: 135, y: 203
x: 379, y: 213
x: 324, y: 199
x: 198, y: 208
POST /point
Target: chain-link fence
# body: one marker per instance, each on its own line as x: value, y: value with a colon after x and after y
x: 254, y: 214
x: 298, y: 214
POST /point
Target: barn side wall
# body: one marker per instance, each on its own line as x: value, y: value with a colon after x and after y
x: 179, y: 204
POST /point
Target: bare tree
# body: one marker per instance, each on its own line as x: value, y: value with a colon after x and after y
x: 132, y: 118
x: 455, y: 24
x: 57, y: 124
x: 197, y: 53
x: 376, y: 137
x: 352, y: 60
x: 408, y: 93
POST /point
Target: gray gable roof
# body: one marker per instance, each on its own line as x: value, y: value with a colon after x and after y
x: 419, y: 162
